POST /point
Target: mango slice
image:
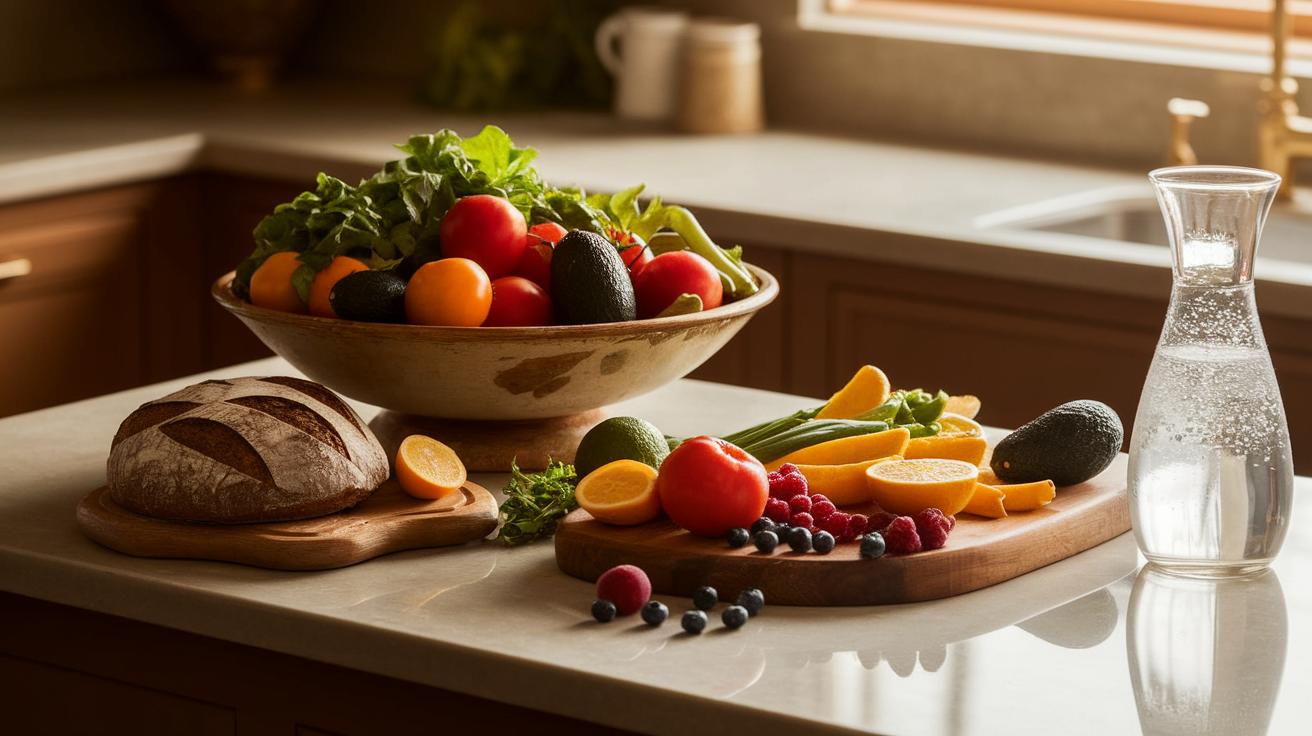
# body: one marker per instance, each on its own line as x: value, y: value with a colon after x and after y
x: 1027, y: 496
x: 986, y: 502
x: 965, y: 405
x: 848, y: 449
x: 968, y: 449
x: 843, y: 484
x: 868, y: 389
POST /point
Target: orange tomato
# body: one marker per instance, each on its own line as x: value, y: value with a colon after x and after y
x: 271, y: 284
x: 326, y: 279
x: 453, y: 292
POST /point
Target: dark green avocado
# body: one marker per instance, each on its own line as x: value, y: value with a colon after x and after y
x: 1069, y: 444
x: 369, y: 296
x: 589, y: 284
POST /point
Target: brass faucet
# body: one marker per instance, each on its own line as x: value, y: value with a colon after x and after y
x: 1283, y: 135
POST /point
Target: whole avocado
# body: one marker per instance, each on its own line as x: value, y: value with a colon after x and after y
x: 1069, y: 444
x: 369, y: 296
x: 589, y: 284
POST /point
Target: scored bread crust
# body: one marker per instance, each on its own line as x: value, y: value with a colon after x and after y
x: 244, y: 450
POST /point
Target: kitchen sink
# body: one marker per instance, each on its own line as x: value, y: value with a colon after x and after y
x: 1129, y: 214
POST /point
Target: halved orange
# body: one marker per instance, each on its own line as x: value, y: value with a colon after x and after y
x: 622, y: 492
x: 960, y: 438
x: 426, y: 468
x: 909, y: 486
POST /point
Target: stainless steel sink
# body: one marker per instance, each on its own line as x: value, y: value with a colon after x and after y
x: 1129, y: 214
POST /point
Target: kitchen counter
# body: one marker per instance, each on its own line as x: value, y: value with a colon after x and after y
x: 889, y: 202
x: 1060, y: 650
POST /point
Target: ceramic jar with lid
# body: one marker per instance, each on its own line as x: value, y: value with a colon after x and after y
x: 720, y: 85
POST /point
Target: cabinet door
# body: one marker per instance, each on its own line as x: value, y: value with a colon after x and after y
x: 755, y: 356
x: 71, y: 326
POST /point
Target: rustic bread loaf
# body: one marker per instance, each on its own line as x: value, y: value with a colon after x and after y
x: 242, y: 450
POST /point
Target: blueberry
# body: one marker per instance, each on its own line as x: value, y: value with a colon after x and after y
x: 603, y: 610
x: 752, y: 600
x: 734, y: 616
x: 738, y: 537
x: 705, y: 597
x: 823, y: 542
x: 799, y: 539
x: 766, y: 541
x: 763, y: 524
x: 693, y: 622
x: 872, y: 546
x: 655, y: 613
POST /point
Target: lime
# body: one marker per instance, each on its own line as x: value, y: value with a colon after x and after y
x: 620, y: 438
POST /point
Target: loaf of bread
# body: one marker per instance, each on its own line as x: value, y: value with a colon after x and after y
x: 244, y: 450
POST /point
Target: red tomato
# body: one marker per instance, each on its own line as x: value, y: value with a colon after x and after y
x: 535, y: 264
x: 548, y: 231
x: 709, y: 486
x: 635, y: 257
x: 668, y: 275
x: 485, y: 229
x: 518, y: 302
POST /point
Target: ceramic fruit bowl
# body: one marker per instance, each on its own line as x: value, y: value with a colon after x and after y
x: 498, y: 391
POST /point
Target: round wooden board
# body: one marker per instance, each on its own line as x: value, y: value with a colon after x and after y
x: 980, y: 552
x: 388, y: 521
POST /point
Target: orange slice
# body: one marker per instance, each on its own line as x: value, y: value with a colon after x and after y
x: 843, y: 484
x: 1027, y: 496
x: 909, y: 486
x: 868, y: 389
x: 426, y: 468
x: 848, y: 449
x: 965, y: 405
x: 622, y: 492
x: 986, y: 501
x: 961, y: 438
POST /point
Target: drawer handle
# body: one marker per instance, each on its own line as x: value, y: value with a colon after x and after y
x: 14, y: 267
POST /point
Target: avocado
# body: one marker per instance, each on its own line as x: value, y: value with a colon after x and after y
x: 1069, y: 444
x: 369, y: 296
x: 589, y: 283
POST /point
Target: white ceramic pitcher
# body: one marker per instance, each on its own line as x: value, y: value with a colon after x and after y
x: 646, y: 64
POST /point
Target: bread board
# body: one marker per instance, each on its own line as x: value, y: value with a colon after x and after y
x: 387, y: 521
x: 979, y: 553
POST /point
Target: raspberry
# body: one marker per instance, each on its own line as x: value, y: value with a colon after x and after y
x: 900, y: 537
x: 791, y: 486
x: 952, y: 523
x: 789, y: 469
x: 818, y: 497
x: 879, y: 521
x: 822, y: 509
x: 933, y: 528
x: 777, y: 510
x: 799, y: 503
x: 836, y: 524
x: 802, y: 519
x: 774, y: 477
x: 857, y: 525
x: 626, y: 586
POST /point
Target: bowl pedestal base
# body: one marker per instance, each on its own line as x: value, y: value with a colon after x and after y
x: 488, y: 446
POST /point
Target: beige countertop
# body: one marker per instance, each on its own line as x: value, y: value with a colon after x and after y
x: 1066, y: 649
x: 811, y: 193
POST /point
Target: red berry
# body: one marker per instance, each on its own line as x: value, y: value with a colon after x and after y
x: 879, y: 521
x: 788, y: 469
x: 823, y: 508
x: 799, y: 503
x: 802, y: 519
x: 774, y: 476
x: 952, y: 523
x: 818, y: 497
x: 932, y: 527
x: 900, y: 537
x: 857, y: 525
x: 793, y: 484
x: 777, y: 510
x: 626, y: 586
x: 836, y: 524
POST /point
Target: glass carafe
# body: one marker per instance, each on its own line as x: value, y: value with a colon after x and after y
x: 1211, y: 475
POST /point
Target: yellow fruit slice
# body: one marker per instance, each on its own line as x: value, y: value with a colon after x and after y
x: 426, y: 468
x: 868, y: 389
x: 961, y: 438
x: 986, y: 501
x: 622, y: 492
x: 848, y: 449
x: 965, y: 405
x: 908, y: 486
x: 988, y: 477
x: 843, y: 484
x: 1027, y: 496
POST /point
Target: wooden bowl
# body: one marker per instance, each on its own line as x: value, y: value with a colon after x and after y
x: 496, y: 373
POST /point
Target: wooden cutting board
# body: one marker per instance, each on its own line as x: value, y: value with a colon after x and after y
x: 979, y: 553
x: 387, y: 521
